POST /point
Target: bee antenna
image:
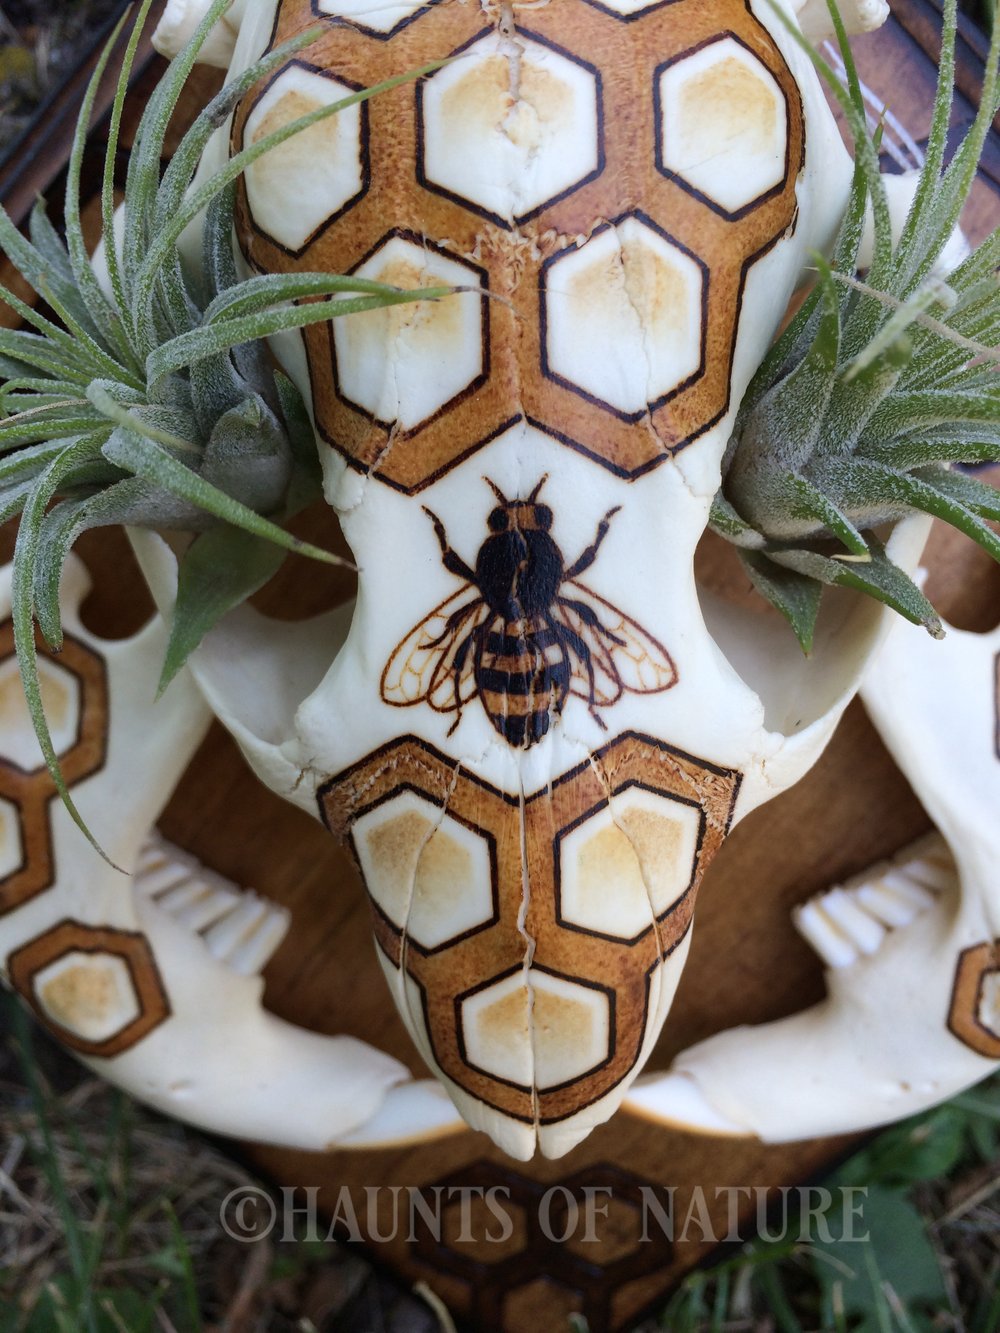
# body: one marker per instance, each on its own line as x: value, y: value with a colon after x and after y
x: 534, y: 494
x: 496, y: 491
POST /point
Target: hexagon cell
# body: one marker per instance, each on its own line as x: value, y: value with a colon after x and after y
x: 92, y: 995
x: 570, y: 1028
x: 322, y: 168
x: 403, y: 363
x: 61, y: 698
x: 374, y: 15
x: 646, y: 845
x: 508, y: 135
x: 988, y: 1006
x: 428, y: 873
x: 723, y: 125
x: 628, y: 287
x: 11, y: 843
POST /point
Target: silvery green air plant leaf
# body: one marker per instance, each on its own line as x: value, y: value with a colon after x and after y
x: 151, y: 400
x: 877, y: 387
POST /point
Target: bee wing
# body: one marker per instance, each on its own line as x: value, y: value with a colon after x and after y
x: 594, y: 674
x: 622, y: 650
x: 422, y: 666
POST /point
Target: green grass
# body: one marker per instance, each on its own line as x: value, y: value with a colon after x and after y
x: 932, y: 1260
x: 110, y: 1218
x: 88, y: 1225
x: 109, y: 1221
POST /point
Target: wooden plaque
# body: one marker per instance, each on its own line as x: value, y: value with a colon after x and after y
x: 747, y: 965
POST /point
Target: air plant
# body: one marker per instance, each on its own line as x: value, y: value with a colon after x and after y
x: 154, y: 401
x: 877, y: 387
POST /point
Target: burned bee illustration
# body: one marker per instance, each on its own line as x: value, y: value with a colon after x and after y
x: 523, y: 634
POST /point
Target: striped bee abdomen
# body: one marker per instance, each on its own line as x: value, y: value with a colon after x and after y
x: 523, y: 677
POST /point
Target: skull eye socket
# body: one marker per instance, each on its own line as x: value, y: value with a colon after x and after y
x: 105, y: 612
x: 499, y: 520
x: 968, y: 602
x: 303, y: 588
x: 759, y: 645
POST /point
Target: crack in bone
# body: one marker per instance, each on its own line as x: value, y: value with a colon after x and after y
x: 653, y: 1010
x: 632, y: 290
x: 612, y: 798
x: 416, y: 1020
x: 529, y: 953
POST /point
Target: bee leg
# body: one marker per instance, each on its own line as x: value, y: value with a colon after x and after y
x: 451, y: 560
x: 590, y: 554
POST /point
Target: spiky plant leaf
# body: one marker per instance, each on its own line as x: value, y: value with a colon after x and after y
x: 152, y: 401
x: 219, y: 571
x: 877, y: 387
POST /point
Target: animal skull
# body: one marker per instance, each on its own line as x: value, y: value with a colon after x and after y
x: 919, y: 936
x: 536, y: 725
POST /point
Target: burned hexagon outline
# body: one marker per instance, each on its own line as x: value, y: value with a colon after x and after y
x: 569, y: 385
x: 364, y: 146
x: 31, y: 792
x: 679, y: 902
x: 974, y: 965
x: 491, y: 850
x: 469, y: 205
x: 377, y: 34
x: 70, y: 936
x: 681, y: 180
x: 610, y: 768
x: 473, y: 385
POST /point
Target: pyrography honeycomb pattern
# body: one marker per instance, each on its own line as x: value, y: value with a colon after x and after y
x: 607, y: 173
x: 598, y: 178
x: 382, y: 357
x: 332, y: 152
x: 974, y: 1015
x: 97, y: 989
x: 425, y: 871
x: 588, y: 1275
x: 75, y: 694
x: 509, y: 173
x: 593, y: 979
x: 730, y: 162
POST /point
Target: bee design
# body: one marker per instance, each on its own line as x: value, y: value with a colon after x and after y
x: 523, y: 634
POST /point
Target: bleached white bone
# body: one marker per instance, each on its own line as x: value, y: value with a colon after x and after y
x: 858, y: 15
x: 302, y: 701
x: 100, y: 952
x: 179, y: 21
x: 917, y: 1019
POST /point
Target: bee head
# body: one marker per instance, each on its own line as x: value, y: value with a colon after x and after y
x: 523, y: 515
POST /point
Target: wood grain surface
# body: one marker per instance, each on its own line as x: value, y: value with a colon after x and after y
x: 746, y: 965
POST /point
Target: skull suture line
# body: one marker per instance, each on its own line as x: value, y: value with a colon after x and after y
x: 626, y: 227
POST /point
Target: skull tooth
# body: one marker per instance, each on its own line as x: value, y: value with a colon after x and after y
x: 853, y: 919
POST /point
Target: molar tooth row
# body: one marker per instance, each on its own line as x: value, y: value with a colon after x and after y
x: 851, y: 920
x: 238, y: 927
